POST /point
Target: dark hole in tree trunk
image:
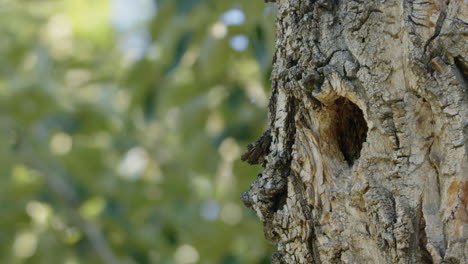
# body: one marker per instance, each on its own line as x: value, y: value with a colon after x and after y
x: 350, y: 128
x: 279, y: 201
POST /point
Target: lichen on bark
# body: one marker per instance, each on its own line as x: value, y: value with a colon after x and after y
x: 365, y: 157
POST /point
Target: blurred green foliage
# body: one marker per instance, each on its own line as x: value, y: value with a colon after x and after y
x: 121, y: 127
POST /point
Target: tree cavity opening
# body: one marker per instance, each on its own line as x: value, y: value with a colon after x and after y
x: 349, y: 128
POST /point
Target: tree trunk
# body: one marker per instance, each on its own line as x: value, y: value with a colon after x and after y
x: 365, y: 158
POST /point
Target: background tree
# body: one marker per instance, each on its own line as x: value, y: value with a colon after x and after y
x: 121, y: 124
x: 365, y: 157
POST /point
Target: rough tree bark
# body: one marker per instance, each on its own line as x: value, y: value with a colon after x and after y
x: 365, y: 156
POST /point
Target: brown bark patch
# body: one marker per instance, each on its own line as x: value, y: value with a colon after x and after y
x: 462, y: 213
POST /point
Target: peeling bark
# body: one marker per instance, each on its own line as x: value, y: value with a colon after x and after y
x: 365, y: 158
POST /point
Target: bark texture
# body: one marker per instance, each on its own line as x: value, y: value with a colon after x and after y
x: 365, y: 156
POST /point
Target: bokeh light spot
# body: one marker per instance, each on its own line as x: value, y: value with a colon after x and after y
x: 58, y: 35
x: 38, y: 211
x: 22, y: 175
x: 25, y: 245
x: 202, y: 186
x: 239, y: 42
x: 257, y: 93
x: 72, y: 235
x: 214, y: 124
x: 231, y: 214
x: 128, y: 14
x: 229, y: 149
x: 61, y: 143
x: 76, y: 77
x: 134, y: 163
x: 186, y: 254
x: 219, y: 30
x: 210, y: 210
x: 91, y: 208
x: 71, y: 260
x: 233, y: 17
